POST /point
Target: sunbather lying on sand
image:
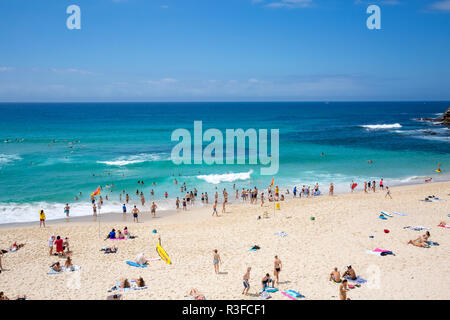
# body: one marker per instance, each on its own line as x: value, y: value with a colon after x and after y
x: 124, y: 283
x: 68, y: 263
x: 335, y: 275
x: 350, y: 273
x: 140, y: 282
x: 112, y: 249
x: 196, y: 294
x: 442, y: 224
x: 421, y: 241
x: 3, y: 297
x: 16, y: 246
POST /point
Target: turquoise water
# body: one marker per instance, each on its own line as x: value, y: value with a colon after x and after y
x: 52, y: 151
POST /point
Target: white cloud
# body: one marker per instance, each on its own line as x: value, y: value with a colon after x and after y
x: 73, y: 70
x: 6, y: 69
x: 290, y: 4
x: 441, y: 5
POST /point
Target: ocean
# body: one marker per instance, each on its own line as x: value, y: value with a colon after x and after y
x: 50, y: 152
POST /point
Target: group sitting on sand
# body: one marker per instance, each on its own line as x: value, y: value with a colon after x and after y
x: 119, y: 235
x: 68, y: 265
x: 336, y: 276
x: 62, y: 246
x: 421, y: 241
x: 124, y: 283
x: 14, y: 247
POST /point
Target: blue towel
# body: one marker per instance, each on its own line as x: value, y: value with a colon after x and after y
x: 134, y: 264
x: 358, y: 280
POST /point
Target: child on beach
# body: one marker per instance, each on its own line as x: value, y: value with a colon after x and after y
x: 51, y: 240
x: 216, y: 261
x: 388, y: 193
x: 215, y: 209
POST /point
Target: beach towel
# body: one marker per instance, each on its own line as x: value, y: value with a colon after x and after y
x: 383, y: 252
x: 291, y: 294
x: 382, y: 217
x: 432, y: 243
x: 118, y: 288
x: 53, y: 272
x: 264, y: 296
x: 400, y: 214
x: 386, y: 214
x: 118, y: 239
x: 270, y: 289
x: 446, y: 226
x: 372, y: 252
x: 281, y: 234
x: 134, y: 264
x: 418, y: 228
x: 358, y: 280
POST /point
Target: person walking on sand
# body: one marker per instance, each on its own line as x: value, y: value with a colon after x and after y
x: 262, y: 199
x: 277, y: 268
x: 246, y: 281
x: 223, y: 206
x: 388, y: 193
x: 124, y: 209
x: 41, y: 218
x: 365, y: 186
x: 215, y: 209
x: 216, y: 261
x: 343, y: 290
x: 135, y: 214
x: 381, y: 184
x: 374, y: 185
x: 154, y: 206
x: 331, y: 189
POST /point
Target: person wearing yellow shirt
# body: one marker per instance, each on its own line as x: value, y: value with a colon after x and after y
x: 41, y: 218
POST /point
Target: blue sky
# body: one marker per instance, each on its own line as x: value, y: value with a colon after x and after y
x: 224, y: 50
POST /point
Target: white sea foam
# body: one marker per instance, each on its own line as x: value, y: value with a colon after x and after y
x: 139, y: 158
x: 29, y: 212
x: 381, y: 126
x: 8, y: 158
x: 227, y: 177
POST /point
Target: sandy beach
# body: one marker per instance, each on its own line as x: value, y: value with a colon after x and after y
x: 338, y: 236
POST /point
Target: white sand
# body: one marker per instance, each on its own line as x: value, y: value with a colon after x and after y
x: 338, y: 237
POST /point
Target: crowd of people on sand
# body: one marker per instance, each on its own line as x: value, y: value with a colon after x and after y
x: 189, y: 198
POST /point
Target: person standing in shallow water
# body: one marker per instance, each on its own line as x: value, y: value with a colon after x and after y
x: 135, y: 214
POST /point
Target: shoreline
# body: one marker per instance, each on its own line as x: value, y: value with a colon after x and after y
x: 108, y: 216
x: 338, y: 236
